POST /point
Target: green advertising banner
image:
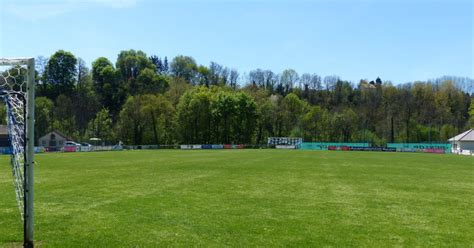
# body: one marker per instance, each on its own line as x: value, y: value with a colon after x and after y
x: 420, y: 147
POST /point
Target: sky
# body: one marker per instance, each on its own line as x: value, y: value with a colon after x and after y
x: 397, y: 40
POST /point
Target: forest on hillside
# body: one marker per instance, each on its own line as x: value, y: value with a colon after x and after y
x: 143, y: 99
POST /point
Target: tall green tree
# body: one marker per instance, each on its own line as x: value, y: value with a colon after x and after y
x: 84, y: 93
x: 471, y: 114
x: 106, y: 84
x: 224, y: 109
x: 177, y: 88
x: 148, y: 82
x: 184, y: 67
x: 160, y: 117
x: 195, y: 116
x: 131, y: 124
x: 246, y: 118
x: 315, y: 124
x: 292, y: 108
x: 343, y: 125
x: 101, y: 126
x: 129, y: 65
x: 60, y: 75
x: 288, y: 79
x: 64, y: 119
x: 44, y: 108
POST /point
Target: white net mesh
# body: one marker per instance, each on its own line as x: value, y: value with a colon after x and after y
x: 13, y: 91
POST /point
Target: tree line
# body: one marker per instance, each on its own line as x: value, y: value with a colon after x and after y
x: 143, y: 99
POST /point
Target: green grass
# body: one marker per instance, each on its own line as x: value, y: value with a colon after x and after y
x: 243, y: 198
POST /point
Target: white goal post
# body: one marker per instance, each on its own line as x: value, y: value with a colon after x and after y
x: 17, y: 89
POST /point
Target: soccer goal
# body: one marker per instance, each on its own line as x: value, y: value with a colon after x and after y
x: 285, y: 142
x: 17, y: 77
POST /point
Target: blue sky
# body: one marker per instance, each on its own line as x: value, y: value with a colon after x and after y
x: 398, y: 40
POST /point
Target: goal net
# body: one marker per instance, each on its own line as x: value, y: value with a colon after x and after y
x: 17, y: 92
x: 285, y: 142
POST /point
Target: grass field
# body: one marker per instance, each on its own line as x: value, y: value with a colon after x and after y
x: 246, y: 198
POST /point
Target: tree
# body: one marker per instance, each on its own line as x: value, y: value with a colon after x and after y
x: 204, y: 76
x: 131, y: 121
x: 267, y: 109
x: 343, y: 125
x: 194, y: 116
x: 257, y: 77
x: 291, y: 110
x: 176, y: 89
x: 105, y: 83
x: 129, y: 66
x: 64, y: 119
x: 270, y: 79
x: 405, y: 101
x: 305, y: 81
x: 447, y: 131
x: 165, y: 66
x: 43, y: 116
x: 188, y: 103
x: 289, y: 78
x: 246, y: 118
x: 157, y: 62
x: 315, y: 124
x: 147, y: 119
x: 224, y: 108
x: 184, y: 67
x: 471, y: 114
x: 130, y: 63
x: 60, y: 74
x: 315, y: 82
x: 390, y: 109
x: 330, y: 82
x: 218, y: 74
x: 40, y: 68
x: 233, y: 78
x: 342, y: 94
x: 83, y: 74
x: 101, y: 126
x: 160, y: 64
x: 40, y: 65
x: 159, y: 116
x: 148, y: 82
x: 84, y: 94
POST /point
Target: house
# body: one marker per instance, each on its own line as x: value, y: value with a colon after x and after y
x: 4, y: 139
x: 463, y: 142
x: 53, y: 140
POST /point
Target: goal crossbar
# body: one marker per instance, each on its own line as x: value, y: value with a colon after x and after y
x: 14, y: 61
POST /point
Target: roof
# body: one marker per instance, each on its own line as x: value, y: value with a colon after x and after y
x: 466, y: 136
x: 58, y: 133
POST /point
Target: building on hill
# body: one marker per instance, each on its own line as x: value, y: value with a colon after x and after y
x: 364, y: 86
x: 4, y: 139
x: 463, y: 142
x: 54, y: 140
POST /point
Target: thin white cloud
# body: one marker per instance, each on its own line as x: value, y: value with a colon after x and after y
x: 117, y: 3
x: 37, y: 10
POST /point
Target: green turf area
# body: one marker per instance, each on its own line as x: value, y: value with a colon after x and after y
x: 246, y: 198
